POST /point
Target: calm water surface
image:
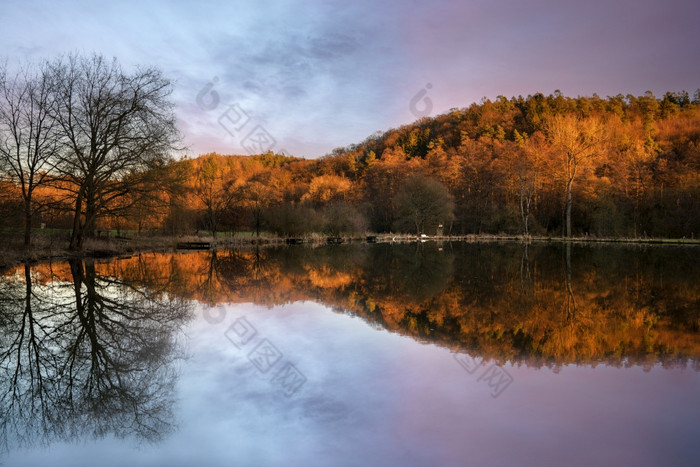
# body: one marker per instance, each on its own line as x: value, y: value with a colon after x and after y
x: 418, y: 354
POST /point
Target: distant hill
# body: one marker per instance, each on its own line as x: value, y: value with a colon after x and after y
x: 621, y: 166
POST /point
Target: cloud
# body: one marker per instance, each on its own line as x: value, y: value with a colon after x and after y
x: 323, y: 74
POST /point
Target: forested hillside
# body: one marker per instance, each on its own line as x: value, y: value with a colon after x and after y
x: 631, y: 165
x: 540, y: 165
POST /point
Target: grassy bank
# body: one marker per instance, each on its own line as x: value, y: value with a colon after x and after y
x: 51, y: 246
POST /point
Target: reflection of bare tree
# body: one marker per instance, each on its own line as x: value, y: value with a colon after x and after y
x: 576, y: 331
x: 422, y: 273
x: 87, y: 358
x: 226, y: 273
x: 27, y: 397
x: 527, y: 285
x: 209, y: 287
x: 570, y: 305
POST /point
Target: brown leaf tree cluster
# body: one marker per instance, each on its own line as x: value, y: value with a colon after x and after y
x: 621, y: 166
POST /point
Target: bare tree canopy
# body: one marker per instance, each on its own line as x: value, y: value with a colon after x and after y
x: 29, y: 140
x: 115, y: 125
x: 423, y: 204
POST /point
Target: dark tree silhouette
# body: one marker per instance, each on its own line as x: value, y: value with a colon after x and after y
x: 29, y: 137
x: 114, y: 126
x: 422, y: 205
x: 89, y: 357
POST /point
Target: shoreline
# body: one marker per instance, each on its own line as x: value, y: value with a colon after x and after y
x: 12, y: 255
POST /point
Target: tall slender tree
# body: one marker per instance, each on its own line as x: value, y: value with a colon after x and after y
x: 29, y: 140
x: 576, y: 141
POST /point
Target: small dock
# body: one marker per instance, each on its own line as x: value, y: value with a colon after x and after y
x: 196, y: 245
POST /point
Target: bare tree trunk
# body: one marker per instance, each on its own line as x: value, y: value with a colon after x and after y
x: 527, y: 224
x: 525, y: 201
x: 76, y: 238
x: 522, y: 212
x: 258, y: 213
x: 90, y: 218
x: 569, y: 202
x: 140, y: 220
x: 27, y: 222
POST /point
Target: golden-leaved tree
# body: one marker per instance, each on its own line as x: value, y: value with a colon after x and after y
x: 576, y: 142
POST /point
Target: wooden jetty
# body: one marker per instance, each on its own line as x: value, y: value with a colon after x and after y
x: 196, y: 245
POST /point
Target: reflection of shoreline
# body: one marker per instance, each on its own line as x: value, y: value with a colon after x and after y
x: 146, y: 245
x: 85, y: 354
x: 537, y: 305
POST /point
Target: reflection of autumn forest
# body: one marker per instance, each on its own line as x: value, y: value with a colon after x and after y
x: 540, y: 305
x: 619, y: 166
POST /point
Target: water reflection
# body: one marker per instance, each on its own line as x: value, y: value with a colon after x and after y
x: 532, y: 304
x: 85, y: 354
x: 88, y: 348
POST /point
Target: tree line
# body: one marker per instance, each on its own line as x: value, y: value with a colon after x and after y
x: 100, y: 157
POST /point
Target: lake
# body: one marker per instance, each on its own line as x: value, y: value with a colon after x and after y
x: 381, y: 354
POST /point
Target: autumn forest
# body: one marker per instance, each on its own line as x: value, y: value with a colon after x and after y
x: 541, y: 165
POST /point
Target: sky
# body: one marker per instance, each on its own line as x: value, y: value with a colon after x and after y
x: 374, y: 397
x: 306, y: 76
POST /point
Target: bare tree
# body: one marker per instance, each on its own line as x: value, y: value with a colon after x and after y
x: 115, y: 125
x: 526, y: 168
x: 28, y: 134
x: 422, y: 204
x: 214, y: 188
x: 258, y: 193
